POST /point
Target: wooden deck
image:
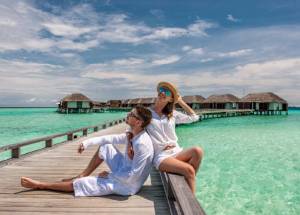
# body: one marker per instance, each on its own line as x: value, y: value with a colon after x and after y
x: 60, y: 161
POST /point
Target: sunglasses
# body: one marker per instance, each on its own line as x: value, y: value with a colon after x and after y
x: 132, y: 114
x: 165, y: 91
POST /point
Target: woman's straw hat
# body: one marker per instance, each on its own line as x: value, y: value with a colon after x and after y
x: 170, y: 87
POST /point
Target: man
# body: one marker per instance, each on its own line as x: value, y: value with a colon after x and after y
x: 128, y: 172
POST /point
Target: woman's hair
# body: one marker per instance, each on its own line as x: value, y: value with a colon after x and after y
x: 168, y: 109
x: 145, y: 115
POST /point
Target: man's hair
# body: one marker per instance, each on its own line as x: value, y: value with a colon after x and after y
x: 145, y: 115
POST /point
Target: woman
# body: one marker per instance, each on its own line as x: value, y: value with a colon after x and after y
x: 168, y: 155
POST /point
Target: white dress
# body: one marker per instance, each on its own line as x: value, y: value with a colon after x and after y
x: 162, y: 133
x: 127, y: 176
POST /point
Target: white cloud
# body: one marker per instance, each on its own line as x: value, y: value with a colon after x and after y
x: 59, y: 28
x: 232, y: 19
x: 79, y: 28
x: 236, y: 53
x: 36, y: 80
x: 198, y: 51
x: 279, y: 76
x: 186, y: 48
x: 275, y: 75
x: 206, y: 60
x: 128, y: 62
x: 48, y: 81
x: 166, y: 60
x: 199, y: 28
x: 7, y: 22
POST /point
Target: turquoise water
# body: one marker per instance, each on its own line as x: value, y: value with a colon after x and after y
x: 251, y: 163
x: 20, y: 124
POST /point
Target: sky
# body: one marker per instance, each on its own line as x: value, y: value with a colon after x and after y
x: 121, y: 49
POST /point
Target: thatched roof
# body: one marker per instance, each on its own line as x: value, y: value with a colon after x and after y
x: 150, y: 100
x: 134, y: 101
x: 263, y: 97
x: 113, y: 102
x: 196, y: 99
x: 226, y: 98
x: 76, y: 97
x: 97, y: 103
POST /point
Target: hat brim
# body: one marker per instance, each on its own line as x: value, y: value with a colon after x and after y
x: 171, y: 87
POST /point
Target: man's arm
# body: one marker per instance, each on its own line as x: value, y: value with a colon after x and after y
x: 107, y: 139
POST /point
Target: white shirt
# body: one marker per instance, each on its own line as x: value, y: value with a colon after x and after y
x: 162, y: 129
x: 133, y: 173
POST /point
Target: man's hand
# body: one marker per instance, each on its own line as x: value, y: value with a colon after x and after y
x: 169, y: 146
x: 80, y: 148
x: 130, y: 152
x: 103, y: 174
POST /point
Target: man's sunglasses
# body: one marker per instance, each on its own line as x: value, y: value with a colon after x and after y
x: 132, y: 114
x: 165, y: 91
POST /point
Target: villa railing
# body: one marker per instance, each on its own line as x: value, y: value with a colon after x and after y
x: 48, y: 140
x: 180, y: 198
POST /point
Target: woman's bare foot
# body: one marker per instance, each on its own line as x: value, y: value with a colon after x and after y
x: 30, y: 183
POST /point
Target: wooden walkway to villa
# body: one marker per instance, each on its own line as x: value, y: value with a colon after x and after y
x: 61, y: 161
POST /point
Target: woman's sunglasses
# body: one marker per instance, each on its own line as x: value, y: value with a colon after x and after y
x: 165, y: 91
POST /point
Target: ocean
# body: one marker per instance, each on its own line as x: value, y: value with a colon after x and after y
x: 251, y: 163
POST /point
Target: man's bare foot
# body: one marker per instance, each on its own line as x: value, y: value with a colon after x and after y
x: 30, y: 183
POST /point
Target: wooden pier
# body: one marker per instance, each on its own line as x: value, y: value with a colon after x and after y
x: 219, y: 113
x: 161, y: 194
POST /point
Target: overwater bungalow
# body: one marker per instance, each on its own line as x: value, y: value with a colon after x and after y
x: 124, y: 103
x: 133, y: 102
x: 75, y: 103
x: 114, y: 103
x: 225, y: 101
x: 195, y: 102
x: 147, y: 102
x: 98, y: 106
x: 264, y: 103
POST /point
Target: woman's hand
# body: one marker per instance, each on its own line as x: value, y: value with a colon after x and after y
x: 185, y: 106
x: 103, y: 174
x: 179, y: 100
x: 80, y: 148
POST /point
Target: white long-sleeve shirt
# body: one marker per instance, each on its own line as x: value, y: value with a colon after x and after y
x: 132, y: 174
x: 162, y: 129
